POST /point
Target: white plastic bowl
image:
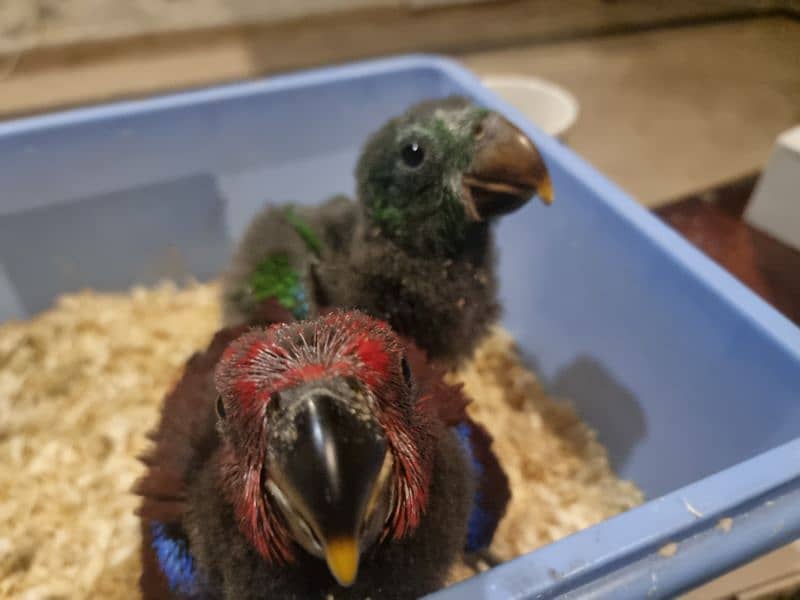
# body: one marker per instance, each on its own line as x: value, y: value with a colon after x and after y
x: 548, y: 105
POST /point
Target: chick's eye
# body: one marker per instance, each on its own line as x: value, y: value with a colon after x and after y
x: 406, y: 371
x: 220, y: 407
x: 413, y: 155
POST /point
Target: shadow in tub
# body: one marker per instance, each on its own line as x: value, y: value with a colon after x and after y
x: 602, y: 402
x: 167, y: 230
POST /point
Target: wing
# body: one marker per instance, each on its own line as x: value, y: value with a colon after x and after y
x: 492, y: 491
x: 185, y: 438
x: 276, y: 255
x: 449, y: 403
x: 185, y: 434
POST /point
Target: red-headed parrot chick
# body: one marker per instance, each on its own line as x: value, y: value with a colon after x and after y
x: 313, y: 459
x: 415, y: 248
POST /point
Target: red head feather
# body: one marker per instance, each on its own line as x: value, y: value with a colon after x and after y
x: 346, y: 344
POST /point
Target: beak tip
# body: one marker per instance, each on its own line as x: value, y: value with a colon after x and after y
x: 545, y: 191
x: 342, y: 558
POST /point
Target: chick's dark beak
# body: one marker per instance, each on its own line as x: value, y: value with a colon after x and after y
x: 327, y: 472
x: 506, y: 171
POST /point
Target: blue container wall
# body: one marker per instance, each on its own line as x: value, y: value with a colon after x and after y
x: 681, y: 370
x: 678, y: 381
x: 163, y: 191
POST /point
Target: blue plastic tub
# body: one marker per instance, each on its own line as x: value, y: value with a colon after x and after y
x: 692, y: 381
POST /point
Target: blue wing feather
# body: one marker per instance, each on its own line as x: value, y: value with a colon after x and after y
x: 175, y: 560
x: 491, y: 492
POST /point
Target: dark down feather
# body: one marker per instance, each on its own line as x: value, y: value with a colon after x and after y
x: 184, y: 505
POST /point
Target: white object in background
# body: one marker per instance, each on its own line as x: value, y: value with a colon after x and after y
x: 775, y: 204
x: 548, y: 105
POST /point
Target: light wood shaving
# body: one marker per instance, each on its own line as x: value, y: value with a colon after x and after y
x: 668, y: 550
x: 81, y: 385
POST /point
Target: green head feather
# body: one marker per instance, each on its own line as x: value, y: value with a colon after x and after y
x: 409, y: 175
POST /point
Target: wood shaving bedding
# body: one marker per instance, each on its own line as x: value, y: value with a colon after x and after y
x: 81, y: 385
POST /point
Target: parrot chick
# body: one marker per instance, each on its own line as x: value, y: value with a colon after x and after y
x: 415, y: 248
x: 313, y: 459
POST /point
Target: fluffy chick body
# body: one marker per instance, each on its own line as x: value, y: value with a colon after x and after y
x: 415, y: 248
x: 196, y: 543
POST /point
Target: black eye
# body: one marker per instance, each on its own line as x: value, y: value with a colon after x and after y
x: 406, y: 371
x: 413, y: 155
x: 220, y: 407
x: 275, y: 400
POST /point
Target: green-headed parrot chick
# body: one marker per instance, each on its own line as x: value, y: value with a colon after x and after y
x: 312, y: 460
x: 416, y: 247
